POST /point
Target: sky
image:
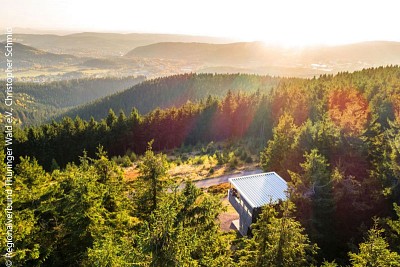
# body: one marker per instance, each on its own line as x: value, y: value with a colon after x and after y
x: 287, y: 22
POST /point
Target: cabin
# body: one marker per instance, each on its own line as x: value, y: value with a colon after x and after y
x: 249, y: 193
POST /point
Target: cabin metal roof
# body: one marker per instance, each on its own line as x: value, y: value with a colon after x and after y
x: 260, y: 189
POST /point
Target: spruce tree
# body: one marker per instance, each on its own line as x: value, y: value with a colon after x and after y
x: 278, y: 240
x: 374, y: 251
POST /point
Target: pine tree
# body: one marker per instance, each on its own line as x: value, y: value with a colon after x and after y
x: 111, y: 118
x: 312, y: 190
x: 394, y: 226
x: 277, y: 240
x: 374, y: 251
x: 183, y: 231
x: 393, y: 134
x: 151, y: 181
x: 280, y: 150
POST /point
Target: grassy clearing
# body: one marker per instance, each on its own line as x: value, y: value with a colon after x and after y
x: 200, y: 162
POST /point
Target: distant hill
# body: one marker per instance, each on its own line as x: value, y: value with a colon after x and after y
x: 256, y: 55
x: 156, y: 55
x: 234, y: 53
x: 173, y: 91
x: 376, y: 53
x: 26, y: 56
x: 91, y: 44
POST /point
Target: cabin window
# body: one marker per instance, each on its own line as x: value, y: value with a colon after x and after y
x: 235, y: 193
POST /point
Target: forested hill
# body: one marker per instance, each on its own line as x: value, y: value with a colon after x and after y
x: 334, y: 139
x: 352, y: 101
x: 212, y: 53
x: 96, y: 44
x: 174, y: 91
x: 36, y: 102
x: 349, y: 57
x: 26, y: 56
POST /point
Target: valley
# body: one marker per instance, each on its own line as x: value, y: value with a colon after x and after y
x: 46, y: 58
x: 124, y: 145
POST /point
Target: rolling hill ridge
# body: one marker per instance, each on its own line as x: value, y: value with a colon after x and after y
x: 256, y: 54
x: 26, y: 57
x: 173, y: 91
x: 93, y: 44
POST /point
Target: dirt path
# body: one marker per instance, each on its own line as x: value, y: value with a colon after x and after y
x: 224, y: 178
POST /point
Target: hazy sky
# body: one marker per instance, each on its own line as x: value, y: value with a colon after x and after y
x: 282, y: 21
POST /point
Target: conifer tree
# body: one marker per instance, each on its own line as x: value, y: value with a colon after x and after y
x: 151, y: 181
x: 111, y: 118
x: 374, y: 251
x: 183, y: 231
x: 278, y: 152
x: 394, y: 225
x: 313, y: 191
x: 278, y: 240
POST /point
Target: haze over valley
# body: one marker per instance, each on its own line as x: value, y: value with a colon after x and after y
x: 200, y: 133
x: 49, y: 57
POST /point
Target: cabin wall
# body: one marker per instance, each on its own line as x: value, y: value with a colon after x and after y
x: 244, y: 210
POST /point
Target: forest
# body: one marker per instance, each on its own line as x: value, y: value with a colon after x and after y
x: 334, y: 138
x: 37, y: 102
x: 173, y: 91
